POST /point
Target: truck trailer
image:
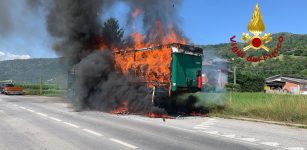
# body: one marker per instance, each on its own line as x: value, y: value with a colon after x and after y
x: 179, y: 70
x: 166, y: 70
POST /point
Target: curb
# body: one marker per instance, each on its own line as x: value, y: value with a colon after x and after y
x: 270, y: 122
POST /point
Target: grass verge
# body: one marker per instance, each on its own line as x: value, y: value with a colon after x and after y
x: 45, y: 90
x: 273, y: 107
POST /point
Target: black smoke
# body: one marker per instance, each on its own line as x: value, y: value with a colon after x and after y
x: 155, y: 12
x: 101, y: 87
x: 15, y: 16
x: 76, y: 27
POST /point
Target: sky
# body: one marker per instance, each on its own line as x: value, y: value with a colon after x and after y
x: 202, y: 21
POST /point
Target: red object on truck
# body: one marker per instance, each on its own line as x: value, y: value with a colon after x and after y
x: 200, y: 81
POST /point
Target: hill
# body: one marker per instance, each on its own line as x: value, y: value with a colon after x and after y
x: 291, y: 61
x: 49, y: 70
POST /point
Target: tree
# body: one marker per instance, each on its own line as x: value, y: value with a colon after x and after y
x: 251, y: 82
x: 112, y: 34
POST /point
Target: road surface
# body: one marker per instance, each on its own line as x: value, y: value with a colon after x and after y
x: 39, y: 123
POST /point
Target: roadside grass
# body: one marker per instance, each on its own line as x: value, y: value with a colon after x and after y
x: 47, y: 89
x: 273, y: 107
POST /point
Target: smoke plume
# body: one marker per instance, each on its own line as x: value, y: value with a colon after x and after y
x: 215, y: 73
x: 159, y: 16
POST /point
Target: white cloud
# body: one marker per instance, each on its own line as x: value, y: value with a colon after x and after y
x: 10, y: 56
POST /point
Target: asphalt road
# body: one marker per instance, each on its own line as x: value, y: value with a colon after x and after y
x: 36, y: 123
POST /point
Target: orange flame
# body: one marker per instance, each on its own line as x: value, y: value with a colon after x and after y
x: 122, y: 109
x: 157, y: 115
x: 154, y: 66
x: 150, y: 66
x: 136, y: 12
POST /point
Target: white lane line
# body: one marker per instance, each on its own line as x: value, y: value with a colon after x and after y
x: 295, y: 148
x: 22, y: 107
x: 92, y: 132
x: 274, y: 144
x: 248, y: 139
x: 123, y: 143
x: 30, y: 110
x: 72, y: 125
x: 180, y: 128
x: 44, y: 115
x: 229, y: 135
x: 207, y: 124
x: 212, y: 132
x: 204, y: 128
x: 56, y: 119
x: 200, y: 125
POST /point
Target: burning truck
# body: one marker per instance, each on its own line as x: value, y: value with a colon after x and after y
x: 136, y: 68
x: 165, y: 70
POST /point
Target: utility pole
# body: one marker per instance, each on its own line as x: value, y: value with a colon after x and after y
x: 40, y: 85
x: 234, y: 75
x: 40, y: 81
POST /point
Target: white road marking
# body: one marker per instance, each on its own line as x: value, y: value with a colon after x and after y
x: 209, y: 122
x: 212, y: 132
x: 22, y: 107
x: 248, y: 139
x: 72, y: 125
x: 204, y: 128
x: 207, y: 126
x: 92, y: 132
x: 56, y: 119
x: 44, y: 115
x: 30, y: 110
x: 123, y: 143
x: 180, y: 128
x: 270, y: 143
x: 296, y: 148
x: 229, y: 135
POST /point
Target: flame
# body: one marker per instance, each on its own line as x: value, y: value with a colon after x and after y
x: 256, y: 25
x: 152, y: 66
x: 136, y: 12
x: 159, y: 115
x: 121, y: 109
